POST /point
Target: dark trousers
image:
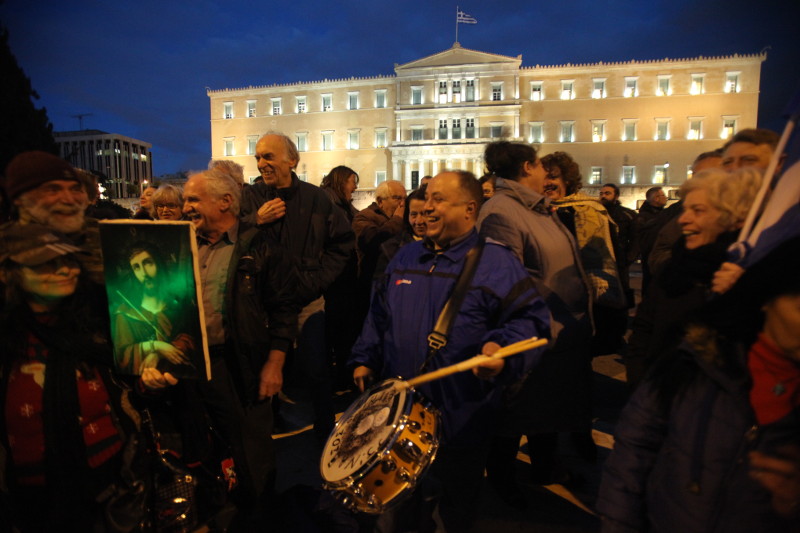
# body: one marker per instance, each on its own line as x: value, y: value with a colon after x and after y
x: 248, y: 432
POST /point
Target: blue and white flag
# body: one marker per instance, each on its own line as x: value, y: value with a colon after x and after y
x: 463, y: 18
x: 780, y: 219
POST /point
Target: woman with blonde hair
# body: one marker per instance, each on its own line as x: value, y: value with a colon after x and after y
x: 715, y: 205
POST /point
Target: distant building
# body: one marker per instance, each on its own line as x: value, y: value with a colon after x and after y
x: 126, y: 163
x: 635, y: 123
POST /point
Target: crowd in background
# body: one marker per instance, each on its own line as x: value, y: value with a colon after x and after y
x: 293, y: 275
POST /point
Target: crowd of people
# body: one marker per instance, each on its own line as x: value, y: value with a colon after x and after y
x: 291, y: 274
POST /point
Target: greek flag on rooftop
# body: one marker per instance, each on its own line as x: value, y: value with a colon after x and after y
x: 463, y: 18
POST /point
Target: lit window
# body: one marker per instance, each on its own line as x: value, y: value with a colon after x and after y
x: 227, y: 148
x: 695, y: 129
x: 698, y: 85
x: 496, y: 130
x: 380, y: 138
x: 660, y: 174
x: 598, y: 88
x: 631, y: 87
x: 598, y: 131
x: 537, y: 91
x: 536, y: 135
x: 567, y: 131
x: 469, y: 95
x: 416, y: 133
x: 251, y: 108
x: 567, y: 90
x: 352, y: 101
x: 470, y: 128
x: 227, y: 110
x: 732, y: 82
x: 596, y: 176
x: 497, y: 91
x: 728, y: 127
x: 442, y: 129
x: 301, y: 140
x: 380, y: 177
x: 456, y: 128
x: 326, y: 102
x: 664, y: 88
x: 352, y: 139
x: 251, y: 144
x: 442, y: 92
x: 380, y: 98
x: 416, y: 96
x: 629, y: 130
x: 628, y: 175
x: 276, y: 106
x: 457, y: 91
x: 301, y: 104
x: 327, y: 141
x: 662, y: 130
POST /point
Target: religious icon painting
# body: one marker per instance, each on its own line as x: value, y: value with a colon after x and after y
x: 154, y: 297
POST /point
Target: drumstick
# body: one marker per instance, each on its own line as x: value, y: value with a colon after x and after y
x: 511, y: 349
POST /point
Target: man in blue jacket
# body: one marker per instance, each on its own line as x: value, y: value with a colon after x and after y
x: 500, y: 307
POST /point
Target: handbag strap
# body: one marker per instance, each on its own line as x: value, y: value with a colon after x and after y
x: 437, y: 338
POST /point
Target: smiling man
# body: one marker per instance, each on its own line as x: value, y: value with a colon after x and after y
x: 44, y: 189
x: 247, y: 283
x: 500, y: 307
x: 317, y: 236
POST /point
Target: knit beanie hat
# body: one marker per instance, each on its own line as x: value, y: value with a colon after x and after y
x: 28, y: 170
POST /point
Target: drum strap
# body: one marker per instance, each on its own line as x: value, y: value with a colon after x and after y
x: 437, y: 339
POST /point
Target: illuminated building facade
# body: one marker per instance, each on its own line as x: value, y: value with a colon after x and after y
x: 635, y: 123
x: 126, y: 163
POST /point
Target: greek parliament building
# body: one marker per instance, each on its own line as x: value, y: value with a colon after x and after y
x: 124, y: 164
x: 635, y: 123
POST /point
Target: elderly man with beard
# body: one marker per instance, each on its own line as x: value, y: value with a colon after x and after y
x: 45, y: 189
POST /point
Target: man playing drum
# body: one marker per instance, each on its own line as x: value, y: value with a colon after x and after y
x: 500, y: 306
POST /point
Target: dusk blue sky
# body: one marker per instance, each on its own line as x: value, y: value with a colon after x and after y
x: 141, y: 68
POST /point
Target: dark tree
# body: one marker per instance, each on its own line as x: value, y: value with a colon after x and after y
x: 23, y: 126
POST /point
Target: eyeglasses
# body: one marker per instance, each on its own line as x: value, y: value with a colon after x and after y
x: 397, y: 197
x: 167, y: 206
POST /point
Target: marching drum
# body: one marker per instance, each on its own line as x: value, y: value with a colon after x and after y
x: 381, y: 446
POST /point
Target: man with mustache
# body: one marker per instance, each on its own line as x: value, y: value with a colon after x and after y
x: 44, y: 189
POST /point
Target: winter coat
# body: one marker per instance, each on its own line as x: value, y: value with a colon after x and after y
x: 501, y: 305
x: 556, y: 396
x: 680, y: 453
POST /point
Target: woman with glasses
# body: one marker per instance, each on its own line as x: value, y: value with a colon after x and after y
x: 167, y: 203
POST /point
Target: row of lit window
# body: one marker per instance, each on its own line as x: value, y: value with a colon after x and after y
x: 454, y: 92
x: 628, y: 175
x: 301, y: 140
x: 301, y: 104
x: 566, y: 132
x: 697, y: 85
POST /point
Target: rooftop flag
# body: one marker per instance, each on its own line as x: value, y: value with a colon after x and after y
x: 463, y: 18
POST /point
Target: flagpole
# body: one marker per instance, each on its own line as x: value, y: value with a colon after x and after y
x: 456, y: 23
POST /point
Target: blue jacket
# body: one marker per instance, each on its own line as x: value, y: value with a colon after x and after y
x: 681, y: 465
x: 501, y: 305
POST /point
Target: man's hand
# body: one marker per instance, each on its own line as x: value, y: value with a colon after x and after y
x: 780, y: 476
x: 271, y: 211
x: 362, y: 377
x: 726, y: 277
x: 492, y: 367
x: 271, y: 379
x: 170, y: 353
x: 153, y: 379
x: 400, y: 211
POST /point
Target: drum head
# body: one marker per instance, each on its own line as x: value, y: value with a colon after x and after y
x: 363, y: 431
